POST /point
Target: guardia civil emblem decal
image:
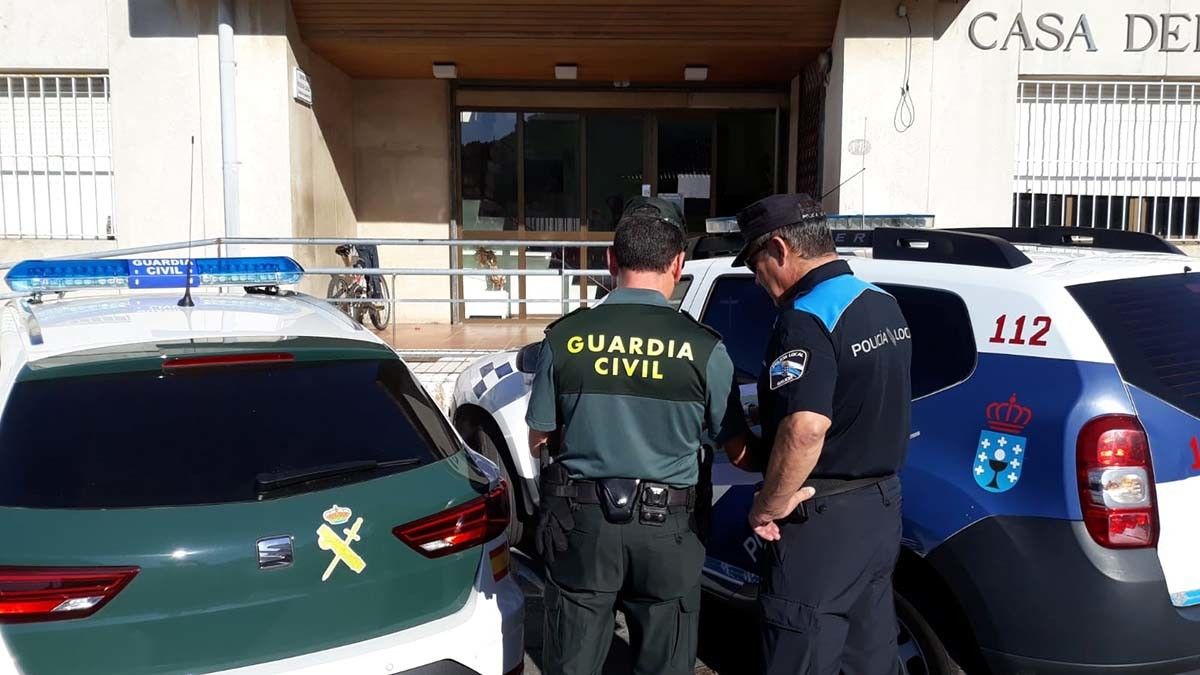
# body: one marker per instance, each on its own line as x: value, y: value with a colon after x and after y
x: 1000, y: 456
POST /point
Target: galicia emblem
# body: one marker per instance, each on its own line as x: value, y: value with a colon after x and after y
x: 1000, y: 456
x: 788, y: 368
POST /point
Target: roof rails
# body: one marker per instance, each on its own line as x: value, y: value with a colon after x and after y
x: 952, y: 247
x: 714, y: 245
x: 1082, y: 237
x: 920, y: 244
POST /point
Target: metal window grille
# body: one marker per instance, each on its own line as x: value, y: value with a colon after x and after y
x: 1116, y: 155
x: 56, y: 177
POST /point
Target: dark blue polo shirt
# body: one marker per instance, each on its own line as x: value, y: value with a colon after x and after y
x: 841, y: 348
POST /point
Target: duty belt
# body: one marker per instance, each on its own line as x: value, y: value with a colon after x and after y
x: 828, y: 487
x: 584, y: 492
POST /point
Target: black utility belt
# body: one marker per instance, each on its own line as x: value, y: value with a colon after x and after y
x: 828, y: 487
x: 620, y: 497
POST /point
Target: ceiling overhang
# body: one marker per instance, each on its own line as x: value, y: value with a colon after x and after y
x: 740, y: 41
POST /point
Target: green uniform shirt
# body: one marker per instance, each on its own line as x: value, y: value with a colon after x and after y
x: 634, y: 384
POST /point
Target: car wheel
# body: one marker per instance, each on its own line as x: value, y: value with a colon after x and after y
x: 485, y: 446
x: 921, y: 651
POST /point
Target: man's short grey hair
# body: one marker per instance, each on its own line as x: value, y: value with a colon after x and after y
x: 809, y: 239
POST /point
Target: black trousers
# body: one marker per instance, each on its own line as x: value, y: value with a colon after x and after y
x: 826, y: 593
x: 652, y: 571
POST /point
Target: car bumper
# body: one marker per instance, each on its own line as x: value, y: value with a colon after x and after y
x: 485, y: 637
x: 1043, y: 597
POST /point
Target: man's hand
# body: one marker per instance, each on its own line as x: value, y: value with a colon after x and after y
x: 762, y: 521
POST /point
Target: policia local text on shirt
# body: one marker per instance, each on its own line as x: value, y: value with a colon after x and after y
x: 628, y: 388
x: 835, y: 417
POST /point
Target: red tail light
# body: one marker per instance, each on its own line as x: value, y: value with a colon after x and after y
x: 188, y: 362
x: 466, y: 525
x: 30, y: 594
x: 1116, y: 483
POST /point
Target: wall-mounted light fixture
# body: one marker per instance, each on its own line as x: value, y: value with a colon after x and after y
x: 445, y: 71
x: 695, y: 73
x: 566, y: 71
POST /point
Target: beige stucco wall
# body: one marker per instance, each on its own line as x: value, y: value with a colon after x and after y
x: 956, y: 161
x: 402, y: 183
x: 322, y: 159
x: 62, y: 35
x: 161, y: 56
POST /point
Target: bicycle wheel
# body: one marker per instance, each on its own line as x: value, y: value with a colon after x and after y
x: 381, y: 312
x: 339, y: 288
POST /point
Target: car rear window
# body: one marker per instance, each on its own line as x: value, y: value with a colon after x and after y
x: 1151, y: 326
x: 150, y: 438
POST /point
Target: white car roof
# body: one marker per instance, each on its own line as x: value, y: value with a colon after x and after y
x: 1057, y: 266
x: 71, y: 325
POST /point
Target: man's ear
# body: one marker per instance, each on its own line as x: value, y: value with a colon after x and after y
x: 612, y: 261
x: 677, y: 267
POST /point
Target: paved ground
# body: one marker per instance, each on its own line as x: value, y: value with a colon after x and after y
x: 728, y: 636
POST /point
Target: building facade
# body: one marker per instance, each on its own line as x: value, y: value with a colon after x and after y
x: 508, y: 120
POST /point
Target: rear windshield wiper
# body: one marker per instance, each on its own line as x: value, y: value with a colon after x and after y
x: 268, y: 482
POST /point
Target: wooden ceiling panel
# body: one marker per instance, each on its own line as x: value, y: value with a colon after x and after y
x: 740, y: 40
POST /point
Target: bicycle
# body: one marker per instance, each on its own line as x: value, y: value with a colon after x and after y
x: 360, y: 286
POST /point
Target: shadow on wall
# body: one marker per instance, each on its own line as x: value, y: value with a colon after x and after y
x: 190, y: 18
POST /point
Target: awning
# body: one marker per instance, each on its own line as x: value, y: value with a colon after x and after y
x: 741, y: 41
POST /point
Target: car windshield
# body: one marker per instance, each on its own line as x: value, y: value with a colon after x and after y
x: 137, y: 439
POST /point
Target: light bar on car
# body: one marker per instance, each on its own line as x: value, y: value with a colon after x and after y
x: 836, y: 221
x: 35, y: 276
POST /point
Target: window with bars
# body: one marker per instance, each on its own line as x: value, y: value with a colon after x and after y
x: 56, y: 177
x: 1117, y: 155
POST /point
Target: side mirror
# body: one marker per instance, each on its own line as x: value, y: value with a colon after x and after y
x: 527, y: 358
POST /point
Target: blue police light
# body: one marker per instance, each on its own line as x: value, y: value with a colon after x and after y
x: 36, y: 276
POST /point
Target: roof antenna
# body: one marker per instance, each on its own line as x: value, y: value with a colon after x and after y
x: 186, y: 300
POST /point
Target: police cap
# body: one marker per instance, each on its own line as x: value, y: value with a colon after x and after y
x: 656, y: 207
x: 771, y: 213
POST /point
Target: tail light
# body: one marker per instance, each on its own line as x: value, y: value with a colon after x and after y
x: 1116, y: 484
x: 29, y: 594
x: 469, y: 524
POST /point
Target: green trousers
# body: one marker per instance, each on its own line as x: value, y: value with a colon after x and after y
x: 653, y: 572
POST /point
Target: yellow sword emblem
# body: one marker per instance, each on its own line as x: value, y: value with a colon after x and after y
x: 328, y: 540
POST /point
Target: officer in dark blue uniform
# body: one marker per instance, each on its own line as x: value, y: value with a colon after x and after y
x: 834, y: 403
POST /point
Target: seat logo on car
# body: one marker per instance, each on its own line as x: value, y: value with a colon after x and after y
x: 329, y: 540
x: 1000, y: 456
x: 275, y: 552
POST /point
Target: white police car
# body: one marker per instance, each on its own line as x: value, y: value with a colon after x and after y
x: 252, y: 484
x: 1052, y: 487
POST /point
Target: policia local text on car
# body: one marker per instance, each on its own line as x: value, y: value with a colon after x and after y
x: 628, y: 388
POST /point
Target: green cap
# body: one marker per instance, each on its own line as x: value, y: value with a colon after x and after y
x: 660, y: 208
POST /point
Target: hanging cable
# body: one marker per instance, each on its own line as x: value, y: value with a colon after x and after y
x: 906, y: 112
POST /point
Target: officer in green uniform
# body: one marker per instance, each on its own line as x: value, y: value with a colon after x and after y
x: 627, y: 390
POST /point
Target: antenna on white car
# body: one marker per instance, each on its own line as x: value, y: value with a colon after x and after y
x: 186, y: 300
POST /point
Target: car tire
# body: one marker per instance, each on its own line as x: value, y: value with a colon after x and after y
x: 922, y: 652
x: 485, y: 445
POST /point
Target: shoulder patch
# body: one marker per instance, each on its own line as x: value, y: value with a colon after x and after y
x: 788, y: 368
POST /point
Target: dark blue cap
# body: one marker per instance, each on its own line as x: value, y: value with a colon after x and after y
x: 771, y: 213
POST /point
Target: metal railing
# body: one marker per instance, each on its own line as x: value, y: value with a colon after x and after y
x: 564, y: 300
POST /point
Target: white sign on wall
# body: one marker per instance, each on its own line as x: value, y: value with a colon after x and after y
x: 301, y: 87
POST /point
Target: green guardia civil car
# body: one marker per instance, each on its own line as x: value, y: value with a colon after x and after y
x: 253, y: 484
